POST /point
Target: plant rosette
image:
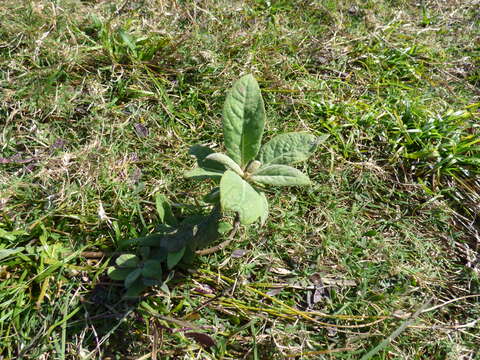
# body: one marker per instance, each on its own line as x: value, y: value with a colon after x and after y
x: 248, y: 167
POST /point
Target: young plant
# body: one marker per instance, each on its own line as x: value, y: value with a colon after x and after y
x: 242, y: 174
x: 248, y: 167
x: 172, y: 242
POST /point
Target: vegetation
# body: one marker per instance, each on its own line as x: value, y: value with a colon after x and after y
x: 243, y: 125
x: 376, y: 259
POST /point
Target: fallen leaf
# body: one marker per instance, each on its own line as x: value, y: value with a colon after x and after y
x: 319, y: 294
x: 141, y: 130
x: 238, y: 253
x: 204, y: 339
x: 204, y: 289
x: 316, y: 279
x: 280, y: 271
x: 274, y: 292
x: 58, y: 144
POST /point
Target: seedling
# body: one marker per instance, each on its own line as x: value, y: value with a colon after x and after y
x: 164, y: 249
x: 242, y: 175
x: 248, y: 167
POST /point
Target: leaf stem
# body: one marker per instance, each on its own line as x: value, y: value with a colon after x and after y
x: 233, y: 232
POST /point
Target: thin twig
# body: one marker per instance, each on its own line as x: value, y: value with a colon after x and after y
x: 449, y: 302
x: 200, y: 307
x: 97, y: 254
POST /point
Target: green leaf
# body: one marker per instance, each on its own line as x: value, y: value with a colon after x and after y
x: 135, y: 288
x: 127, y: 261
x: 4, y: 253
x: 206, y: 168
x: 225, y: 160
x: 148, y: 240
x: 151, y: 282
x: 158, y: 254
x: 224, y: 227
x: 253, y: 166
x: 173, y: 258
x: 243, y: 120
x: 144, y: 252
x: 264, y: 216
x: 128, y: 40
x: 237, y: 195
x: 118, y: 273
x: 280, y: 175
x: 289, y: 148
x: 469, y: 160
x: 131, y: 277
x: 165, y: 210
x: 189, y: 256
x: 178, y: 240
x: 152, y: 269
x: 213, y: 196
x: 195, y: 219
x: 206, y: 229
x: 200, y: 174
x: 201, y: 152
x: 11, y: 235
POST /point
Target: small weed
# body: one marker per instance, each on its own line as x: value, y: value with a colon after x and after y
x: 243, y: 123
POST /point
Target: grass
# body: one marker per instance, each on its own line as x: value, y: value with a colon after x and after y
x: 99, y: 104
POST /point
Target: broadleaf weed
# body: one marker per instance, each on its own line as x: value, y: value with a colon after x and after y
x: 241, y: 176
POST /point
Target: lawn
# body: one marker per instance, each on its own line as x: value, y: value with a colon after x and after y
x: 100, y: 102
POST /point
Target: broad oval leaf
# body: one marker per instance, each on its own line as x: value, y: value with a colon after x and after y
x: 280, y: 175
x: 148, y: 240
x: 173, y: 258
x: 144, y: 252
x: 289, y: 148
x: 130, y: 279
x: 135, y: 288
x: 243, y: 120
x: 264, y: 216
x: 127, y: 261
x: 151, y: 282
x: 206, y: 168
x: 165, y: 210
x: 158, y: 254
x: 227, y: 161
x: 206, y: 229
x: 176, y: 241
x: 152, y: 269
x: 201, y: 152
x: 118, y: 273
x: 237, y: 195
x: 200, y: 173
